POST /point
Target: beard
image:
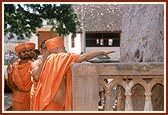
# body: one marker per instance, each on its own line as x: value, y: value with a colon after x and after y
x: 25, y: 57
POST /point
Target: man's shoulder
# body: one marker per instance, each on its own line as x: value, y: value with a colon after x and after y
x: 62, y: 55
x: 67, y: 54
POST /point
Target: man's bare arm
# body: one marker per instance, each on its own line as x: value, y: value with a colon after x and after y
x: 87, y: 56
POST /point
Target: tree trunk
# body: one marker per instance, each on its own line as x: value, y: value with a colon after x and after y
x: 143, y: 41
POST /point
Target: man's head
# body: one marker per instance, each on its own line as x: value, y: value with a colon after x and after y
x: 55, y: 45
x: 43, y: 47
x: 37, y: 53
x: 25, y: 50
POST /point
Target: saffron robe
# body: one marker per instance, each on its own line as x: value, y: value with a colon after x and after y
x: 21, y: 76
x: 52, y: 75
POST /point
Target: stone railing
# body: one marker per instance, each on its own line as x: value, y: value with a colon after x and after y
x: 113, y: 86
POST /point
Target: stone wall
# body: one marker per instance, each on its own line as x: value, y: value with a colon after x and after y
x: 90, y: 78
x: 142, y: 33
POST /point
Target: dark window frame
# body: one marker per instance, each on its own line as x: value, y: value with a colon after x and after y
x: 94, y: 39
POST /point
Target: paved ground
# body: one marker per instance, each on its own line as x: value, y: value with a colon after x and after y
x: 7, y: 100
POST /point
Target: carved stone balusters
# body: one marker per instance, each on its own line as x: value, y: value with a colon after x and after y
x: 108, y: 103
x: 128, y: 101
x: 128, y: 94
x: 148, y: 102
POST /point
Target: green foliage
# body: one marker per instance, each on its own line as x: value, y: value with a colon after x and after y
x: 23, y: 20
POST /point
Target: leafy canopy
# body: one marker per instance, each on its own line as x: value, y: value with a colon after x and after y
x: 22, y: 20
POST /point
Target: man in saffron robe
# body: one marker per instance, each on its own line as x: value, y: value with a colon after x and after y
x: 19, y: 77
x: 54, y: 89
